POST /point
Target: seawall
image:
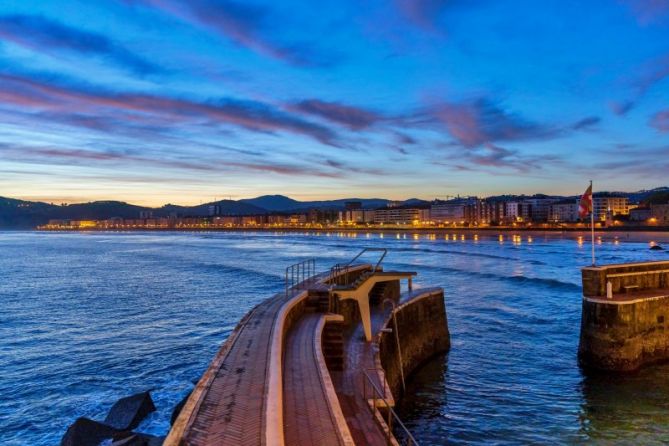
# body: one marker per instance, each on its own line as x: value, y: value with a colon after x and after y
x: 422, y: 326
x: 625, y: 316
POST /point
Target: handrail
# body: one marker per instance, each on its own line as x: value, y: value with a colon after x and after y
x: 300, y: 273
x: 340, y: 272
x: 376, y: 267
x: 391, y: 413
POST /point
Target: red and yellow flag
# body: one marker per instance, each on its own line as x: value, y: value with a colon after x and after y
x: 585, y: 205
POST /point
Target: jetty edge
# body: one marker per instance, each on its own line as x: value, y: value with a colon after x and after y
x: 323, y: 362
x: 625, y: 316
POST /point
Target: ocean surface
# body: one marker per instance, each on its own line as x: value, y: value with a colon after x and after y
x: 87, y: 318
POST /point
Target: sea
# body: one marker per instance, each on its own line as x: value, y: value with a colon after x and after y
x: 87, y: 318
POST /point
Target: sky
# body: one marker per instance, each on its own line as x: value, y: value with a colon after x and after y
x: 166, y: 101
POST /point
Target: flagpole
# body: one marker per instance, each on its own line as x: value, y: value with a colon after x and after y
x: 592, y: 222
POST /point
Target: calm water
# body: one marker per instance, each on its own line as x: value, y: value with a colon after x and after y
x: 88, y: 318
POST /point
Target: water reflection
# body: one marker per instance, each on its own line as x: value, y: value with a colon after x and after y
x: 627, y: 409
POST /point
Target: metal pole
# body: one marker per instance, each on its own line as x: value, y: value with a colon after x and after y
x: 592, y: 222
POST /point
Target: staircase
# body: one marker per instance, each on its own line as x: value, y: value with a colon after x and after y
x: 318, y: 300
x: 333, y: 345
x: 377, y: 293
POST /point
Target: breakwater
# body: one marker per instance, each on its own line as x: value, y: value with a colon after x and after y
x: 625, y: 316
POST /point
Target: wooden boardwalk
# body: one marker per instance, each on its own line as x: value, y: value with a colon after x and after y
x: 308, y: 419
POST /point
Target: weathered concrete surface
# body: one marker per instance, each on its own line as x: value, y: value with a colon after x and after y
x: 623, y: 336
x: 423, y: 332
x: 625, y: 274
x: 627, y: 329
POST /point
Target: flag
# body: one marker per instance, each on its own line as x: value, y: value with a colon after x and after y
x: 585, y: 205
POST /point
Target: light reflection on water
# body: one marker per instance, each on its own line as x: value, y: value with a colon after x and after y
x: 88, y: 318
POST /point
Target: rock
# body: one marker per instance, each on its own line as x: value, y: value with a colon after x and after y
x: 140, y: 440
x: 177, y: 409
x: 656, y: 248
x: 85, y: 432
x: 127, y: 413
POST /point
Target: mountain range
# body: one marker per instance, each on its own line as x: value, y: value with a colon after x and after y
x: 21, y: 214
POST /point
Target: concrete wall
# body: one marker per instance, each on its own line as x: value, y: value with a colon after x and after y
x: 624, y: 336
x: 595, y: 278
x: 423, y: 332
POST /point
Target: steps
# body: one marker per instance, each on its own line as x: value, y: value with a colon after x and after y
x: 332, y: 342
x: 318, y: 301
x: 377, y: 293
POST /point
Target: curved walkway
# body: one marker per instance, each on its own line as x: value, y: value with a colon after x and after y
x: 308, y: 417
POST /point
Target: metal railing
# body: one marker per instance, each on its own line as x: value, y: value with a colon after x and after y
x: 377, y: 395
x: 340, y: 272
x: 300, y: 274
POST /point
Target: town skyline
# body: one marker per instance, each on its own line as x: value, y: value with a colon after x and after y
x: 161, y: 101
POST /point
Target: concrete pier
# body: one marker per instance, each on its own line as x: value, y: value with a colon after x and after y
x: 306, y: 367
x: 625, y: 316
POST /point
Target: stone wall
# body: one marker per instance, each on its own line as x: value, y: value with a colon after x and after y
x: 595, y: 277
x: 423, y: 332
x: 624, y: 336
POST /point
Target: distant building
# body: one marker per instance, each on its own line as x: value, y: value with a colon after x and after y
x: 659, y: 214
x: 517, y: 212
x: 401, y: 215
x: 357, y: 216
x: 607, y: 207
x: 145, y: 214
x: 564, y: 211
x: 450, y: 212
x: 640, y: 214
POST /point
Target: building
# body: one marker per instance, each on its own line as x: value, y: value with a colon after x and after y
x: 357, y: 216
x: 659, y: 214
x: 565, y: 211
x: 401, y: 215
x: 450, y: 212
x: 640, y: 214
x: 607, y: 207
x: 539, y: 208
x: 517, y: 212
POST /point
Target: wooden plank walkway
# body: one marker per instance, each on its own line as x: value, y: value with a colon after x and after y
x: 307, y: 416
x: 232, y: 410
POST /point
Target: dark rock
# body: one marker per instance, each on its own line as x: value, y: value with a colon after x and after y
x: 656, y: 248
x: 177, y: 409
x: 140, y: 440
x: 127, y: 413
x: 85, y: 432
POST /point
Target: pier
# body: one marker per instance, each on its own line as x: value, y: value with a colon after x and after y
x: 625, y: 316
x: 321, y: 363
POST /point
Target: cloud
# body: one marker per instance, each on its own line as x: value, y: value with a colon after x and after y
x: 67, y: 156
x: 251, y: 115
x: 483, y: 121
x: 45, y: 35
x: 352, y: 168
x: 423, y: 13
x: 646, y: 77
x: 354, y: 118
x: 660, y: 121
x: 492, y: 155
x: 586, y: 123
x: 648, y: 11
x: 621, y: 108
x: 245, y: 24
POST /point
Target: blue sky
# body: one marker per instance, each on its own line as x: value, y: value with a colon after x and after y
x: 156, y: 101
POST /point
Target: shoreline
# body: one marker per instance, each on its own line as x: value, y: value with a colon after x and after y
x: 357, y: 229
